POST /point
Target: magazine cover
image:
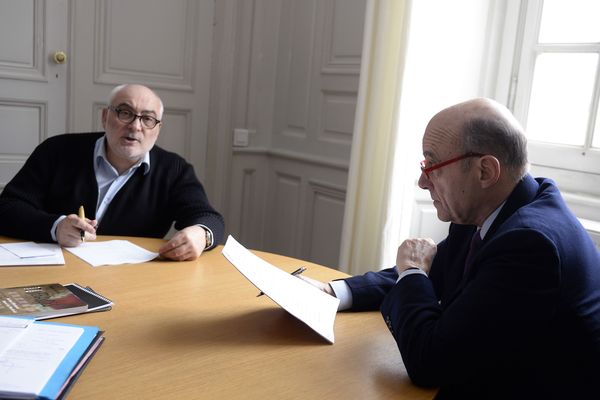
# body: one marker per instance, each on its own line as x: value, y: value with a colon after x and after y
x: 40, y: 300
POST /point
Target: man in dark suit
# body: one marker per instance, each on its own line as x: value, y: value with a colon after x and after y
x: 128, y: 186
x: 508, y: 305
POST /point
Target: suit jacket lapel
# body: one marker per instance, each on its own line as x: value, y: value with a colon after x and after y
x: 523, y: 194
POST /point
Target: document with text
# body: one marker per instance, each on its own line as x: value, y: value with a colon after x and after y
x: 37, y: 360
x: 310, y: 305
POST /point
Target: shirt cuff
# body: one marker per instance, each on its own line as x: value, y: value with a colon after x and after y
x: 342, y: 291
x: 411, y: 271
x: 54, y: 226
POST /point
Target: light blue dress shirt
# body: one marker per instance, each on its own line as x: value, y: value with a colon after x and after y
x: 110, y: 182
x: 108, y: 179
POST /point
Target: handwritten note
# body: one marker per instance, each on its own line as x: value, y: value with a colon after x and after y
x: 11, y: 329
x: 28, y: 363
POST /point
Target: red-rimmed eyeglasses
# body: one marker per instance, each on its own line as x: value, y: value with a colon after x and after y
x: 426, y: 170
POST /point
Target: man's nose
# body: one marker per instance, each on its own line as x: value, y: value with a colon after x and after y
x: 136, y: 123
x: 424, y: 182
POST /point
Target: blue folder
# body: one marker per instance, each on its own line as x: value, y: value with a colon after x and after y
x: 52, y: 389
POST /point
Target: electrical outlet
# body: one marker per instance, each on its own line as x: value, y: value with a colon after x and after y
x: 241, y: 137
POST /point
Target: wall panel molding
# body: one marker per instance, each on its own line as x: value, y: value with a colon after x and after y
x: 294, y: 156
x: 342, y: 47
x: 24, y: 127
x: 176, y: 131
x: 167, y: 58
x: 324, y: 217
x: 27, y: 117
x: 249, y: 189
x: 302, y: 17
x: 96, y: 116
x: 26, y: 28
x: 299, y: 205
x: 301, y: 115
x: 284, y: 205
x: 338, y: 109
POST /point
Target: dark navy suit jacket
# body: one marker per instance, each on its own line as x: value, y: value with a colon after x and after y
x: 59, y: 176
x: 525, y: 320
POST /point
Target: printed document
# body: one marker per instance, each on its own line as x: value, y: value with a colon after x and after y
x: 310, y: 305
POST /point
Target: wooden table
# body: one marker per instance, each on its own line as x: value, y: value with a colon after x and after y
x: 196, y: 330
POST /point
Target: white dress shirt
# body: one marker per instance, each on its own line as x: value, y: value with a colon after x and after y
x: 342, y: 290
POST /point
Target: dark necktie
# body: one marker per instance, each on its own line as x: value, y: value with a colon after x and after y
x: 475, y: 245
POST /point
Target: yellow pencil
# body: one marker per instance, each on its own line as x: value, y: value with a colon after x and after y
x: 82, y: 217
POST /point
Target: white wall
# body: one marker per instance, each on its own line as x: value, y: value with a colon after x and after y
x: 294, y: 85
x: 447, y: 62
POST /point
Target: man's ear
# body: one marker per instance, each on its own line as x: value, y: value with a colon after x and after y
x: 489, y: 168
x: 104, y: 117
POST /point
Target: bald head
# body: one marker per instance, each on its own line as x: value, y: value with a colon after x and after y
x: 475, y: 153
x: 484, y: 126
x: 129, y: 87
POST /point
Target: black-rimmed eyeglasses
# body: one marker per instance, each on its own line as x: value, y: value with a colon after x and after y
x: 427, y: 169
x: 127, y: 117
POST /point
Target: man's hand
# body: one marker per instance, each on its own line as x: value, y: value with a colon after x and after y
x: 185, y: 245
x: 417, y: 253
x: 68, y: 231
x: 325, y: 287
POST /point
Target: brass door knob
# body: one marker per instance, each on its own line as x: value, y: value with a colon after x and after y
x: 60, y: 57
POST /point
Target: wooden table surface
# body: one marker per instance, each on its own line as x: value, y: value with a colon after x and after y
x: 196, y: 330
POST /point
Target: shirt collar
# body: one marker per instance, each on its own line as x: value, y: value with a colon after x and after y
x: 100, y: 154
x: 489, y: 221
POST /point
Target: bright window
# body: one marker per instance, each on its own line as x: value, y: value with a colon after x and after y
x: 561, y: 94
x: 556, y: 83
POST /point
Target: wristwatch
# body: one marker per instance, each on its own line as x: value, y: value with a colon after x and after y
x: 209, y: 238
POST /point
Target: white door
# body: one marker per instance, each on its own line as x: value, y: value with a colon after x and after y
x: 162, y: 44
x: 33, y: 87
x: 165, y: 45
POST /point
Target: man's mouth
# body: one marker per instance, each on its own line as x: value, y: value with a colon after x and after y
x: 130, y: 139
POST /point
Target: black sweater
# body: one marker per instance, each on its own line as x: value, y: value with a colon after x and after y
x: 59, y: 176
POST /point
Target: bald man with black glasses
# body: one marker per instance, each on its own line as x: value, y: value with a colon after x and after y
x: 127, y: 185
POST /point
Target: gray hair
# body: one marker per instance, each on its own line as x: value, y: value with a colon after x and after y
x: 117, y: 89
x: 501, y: 136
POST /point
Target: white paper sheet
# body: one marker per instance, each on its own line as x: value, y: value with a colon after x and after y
x: 310, y: 305
x: 111, y: 252
x: 29, y: 249
x: 27, y: 365
x: 11, y: 328
x: 10, y: 258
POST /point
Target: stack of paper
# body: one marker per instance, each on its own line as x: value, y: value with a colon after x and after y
x: 41, y: 359
x: 30, y: 253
